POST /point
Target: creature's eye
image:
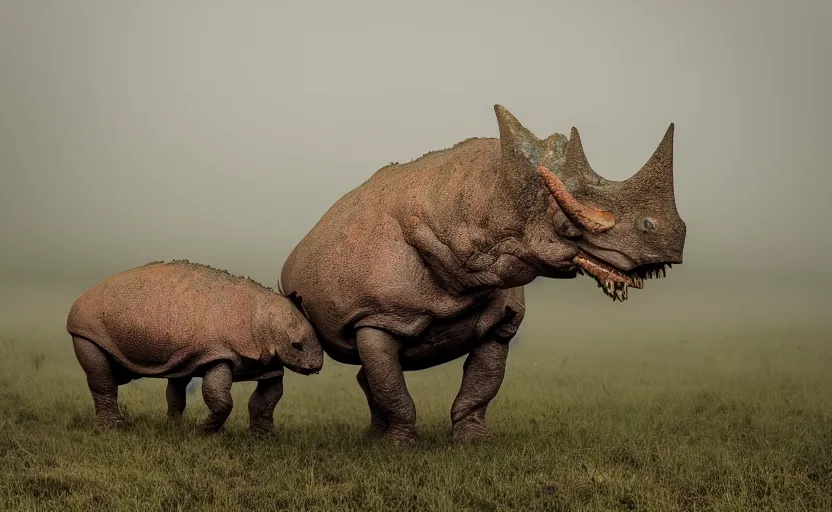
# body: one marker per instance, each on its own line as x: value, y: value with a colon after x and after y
x: 297, y: 345
x: 647, y: 225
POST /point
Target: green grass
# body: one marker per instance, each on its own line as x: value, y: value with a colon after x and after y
x: 740, y: 422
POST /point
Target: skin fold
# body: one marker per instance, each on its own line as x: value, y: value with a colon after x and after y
x: 425, y: 262
x: 180, y: 320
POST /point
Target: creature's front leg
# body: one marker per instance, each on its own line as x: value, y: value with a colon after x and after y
x: 175, y: 394
x: 262, y: 403
x: 216, y: 393
x: 483, y: 373
x: 378, y: 420
x: 379, y: 353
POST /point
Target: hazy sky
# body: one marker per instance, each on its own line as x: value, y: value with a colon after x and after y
x: 221, y: 132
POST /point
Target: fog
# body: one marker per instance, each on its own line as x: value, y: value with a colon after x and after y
x: 220, y: 132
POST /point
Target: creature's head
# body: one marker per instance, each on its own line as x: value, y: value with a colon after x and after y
x: 297, y: 345
x: 625, y: 231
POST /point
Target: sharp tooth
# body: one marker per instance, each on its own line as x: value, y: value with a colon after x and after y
x: 670, y: 265
x: 624, y: 292
x: 664, y: 273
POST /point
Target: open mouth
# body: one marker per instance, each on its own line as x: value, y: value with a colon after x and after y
x: 604, y: 265
x: 302, y: 370
x: 615, y: 282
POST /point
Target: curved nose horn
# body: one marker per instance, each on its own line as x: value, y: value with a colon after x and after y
x: 590, y: 219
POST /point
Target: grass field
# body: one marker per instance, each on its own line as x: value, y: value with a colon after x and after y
x: 726, y: 419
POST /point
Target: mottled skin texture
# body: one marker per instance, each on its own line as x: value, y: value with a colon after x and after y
x: 426, y: 261
x: 180, y: 320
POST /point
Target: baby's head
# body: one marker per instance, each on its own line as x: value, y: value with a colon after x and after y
x: 297, y: 344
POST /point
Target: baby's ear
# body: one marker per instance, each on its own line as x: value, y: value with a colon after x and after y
x: 296, y: 300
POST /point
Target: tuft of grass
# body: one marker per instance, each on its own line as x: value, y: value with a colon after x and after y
x: 741, y: 422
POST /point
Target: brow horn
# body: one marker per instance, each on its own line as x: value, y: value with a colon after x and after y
x: 576, y: 165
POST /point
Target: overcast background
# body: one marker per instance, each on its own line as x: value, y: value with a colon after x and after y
x: 221, y: 131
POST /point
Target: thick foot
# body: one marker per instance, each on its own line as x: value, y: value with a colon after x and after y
x: 209, y: 427
x: 261, y: 428
x: 470, y: 431
x: 109, y: 422
x: 401, y: 436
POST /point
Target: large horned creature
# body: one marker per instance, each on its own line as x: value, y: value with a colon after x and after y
x: 426, y: 261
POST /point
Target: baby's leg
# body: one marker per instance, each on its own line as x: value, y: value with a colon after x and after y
x: 216, y: 392
x: 176, y: 396
x: 262, y: 403
x: 101, y: 380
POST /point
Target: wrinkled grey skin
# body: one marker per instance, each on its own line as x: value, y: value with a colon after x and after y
x: 426, y: 261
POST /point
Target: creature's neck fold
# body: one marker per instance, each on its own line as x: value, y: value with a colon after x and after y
x: 512, y: 202
x: 489, y: 252
x: 262, y: 321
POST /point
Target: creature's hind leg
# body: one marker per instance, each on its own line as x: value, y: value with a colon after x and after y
x: 378, y: 420
x: 175, y: 394
x: 261, y: 405
x: 101, y: 380
x: 216, y: 392
x: 379, y: 353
